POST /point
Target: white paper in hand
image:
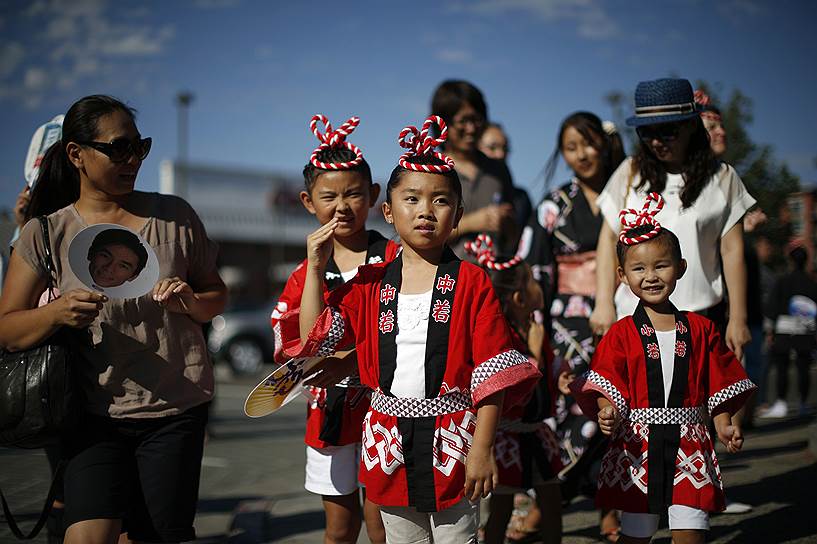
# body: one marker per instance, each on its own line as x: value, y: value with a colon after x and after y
x: 44, y: 137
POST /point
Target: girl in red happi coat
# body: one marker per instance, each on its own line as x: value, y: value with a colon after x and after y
x: 433, y: 345
x: 654, y: 378
x: 338, y: 186
x: 527, y: 450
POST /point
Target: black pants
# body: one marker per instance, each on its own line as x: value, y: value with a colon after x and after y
x: 780, y: 355
x: 142, y: 471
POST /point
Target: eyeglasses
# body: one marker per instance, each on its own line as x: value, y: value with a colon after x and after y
x: 122, y: 149
x: 667, y: 132
x: 475, y: 120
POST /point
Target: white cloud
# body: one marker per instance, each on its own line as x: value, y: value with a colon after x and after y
x: 453, y: 56
x: 216, y: 4
x: 590, y: 16
x: 11, y: 55
x: 83, y: 42
x: 138, y: 42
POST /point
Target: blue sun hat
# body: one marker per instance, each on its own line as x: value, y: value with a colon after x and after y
x: 663, y: 101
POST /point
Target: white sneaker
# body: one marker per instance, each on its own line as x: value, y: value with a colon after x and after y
x: 777, y: 410
x: 736, y: 508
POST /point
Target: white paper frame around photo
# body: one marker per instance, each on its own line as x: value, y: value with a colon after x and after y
x: 78, y: 260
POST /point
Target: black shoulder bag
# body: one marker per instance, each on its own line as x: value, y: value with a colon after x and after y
x: 38, y: 399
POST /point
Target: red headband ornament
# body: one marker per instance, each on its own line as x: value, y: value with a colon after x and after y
x: 645, y: 216
x: 703, y: 100
x: 483, y: 249
x: 334, y: 138
x: 419, y: 143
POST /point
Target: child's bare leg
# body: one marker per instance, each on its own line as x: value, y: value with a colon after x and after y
x: 609, y: 525
x: 342, y: 518
x: 501, y: 509
x: 549, y: 498
x: 374, y: 523
x: 688, y: 536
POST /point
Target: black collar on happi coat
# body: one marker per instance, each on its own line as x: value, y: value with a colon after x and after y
x: 375, y: 253
x: 418, y: 432
x: 336, y: 396
x: 664, y: 439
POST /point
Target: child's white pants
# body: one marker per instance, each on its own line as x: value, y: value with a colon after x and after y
x: 454, y: 525
x: 639, y: 525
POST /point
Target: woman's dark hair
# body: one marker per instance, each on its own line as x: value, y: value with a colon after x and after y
x: 120, y: 237
x: 699, y: 166
x: 332, y: 155
x: 399, y: 171
x: 508, y: 281
x: 58, y: 181
x: 451, y: 95
x: 609, y: 146
x: 664, y: 236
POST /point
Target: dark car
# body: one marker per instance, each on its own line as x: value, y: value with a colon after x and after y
x: 242, y: 337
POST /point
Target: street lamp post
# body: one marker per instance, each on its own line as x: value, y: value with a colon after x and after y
x: 183, y: 101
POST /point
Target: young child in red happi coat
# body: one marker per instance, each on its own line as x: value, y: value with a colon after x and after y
x: 654, y: 379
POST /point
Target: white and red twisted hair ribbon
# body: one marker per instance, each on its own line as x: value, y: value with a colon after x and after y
x: 483, y: 249
x: 419, y: 143
x: 645, y: 216
x: 703, y: 100
x: 334, y: 138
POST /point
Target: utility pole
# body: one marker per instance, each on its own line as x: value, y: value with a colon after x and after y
x: 183, y: 101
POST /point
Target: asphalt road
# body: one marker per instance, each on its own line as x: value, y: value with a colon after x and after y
x: 252, y: 481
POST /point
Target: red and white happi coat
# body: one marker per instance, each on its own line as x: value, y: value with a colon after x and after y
x: 662, y: 454
x: 414, y: 449
x: 524, y: 441
x: 335, y: 415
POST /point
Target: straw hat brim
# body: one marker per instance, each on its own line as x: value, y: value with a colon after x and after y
x: 636, y: 121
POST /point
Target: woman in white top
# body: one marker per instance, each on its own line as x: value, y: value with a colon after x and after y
x: 705, y: 203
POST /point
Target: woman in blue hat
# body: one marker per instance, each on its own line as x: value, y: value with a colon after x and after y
x: 705, y: 204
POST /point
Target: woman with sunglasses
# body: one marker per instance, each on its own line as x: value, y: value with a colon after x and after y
x: 705, y: 204
x: 133, y: 461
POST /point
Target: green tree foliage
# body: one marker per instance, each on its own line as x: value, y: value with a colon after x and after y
x: 768, y: 180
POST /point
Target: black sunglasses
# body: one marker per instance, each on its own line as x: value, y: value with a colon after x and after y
x: 666, y: 132
x: 122, y: 149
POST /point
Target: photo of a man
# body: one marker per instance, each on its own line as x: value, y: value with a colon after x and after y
x: 116, y: 256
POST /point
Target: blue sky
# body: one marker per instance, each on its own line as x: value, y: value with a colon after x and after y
x: 259, y: 70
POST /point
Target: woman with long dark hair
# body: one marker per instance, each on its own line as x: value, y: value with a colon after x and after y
x: 134, y: 460
x: 705, y: 204
x: 559, y: 243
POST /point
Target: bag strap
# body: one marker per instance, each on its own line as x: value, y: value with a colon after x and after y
x: 49, y: 502
x: 48, y: 260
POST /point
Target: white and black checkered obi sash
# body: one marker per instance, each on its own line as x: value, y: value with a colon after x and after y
x: 450, y: 403
x: 668, y: 416
x: 336, y: 395
x: 665, y: 438
x: 418, y: 431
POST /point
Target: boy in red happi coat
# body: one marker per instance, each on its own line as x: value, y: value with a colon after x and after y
x: 655, y: 378
x: 338, y: 186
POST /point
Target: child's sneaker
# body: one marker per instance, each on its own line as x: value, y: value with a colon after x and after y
x: 777, y: 410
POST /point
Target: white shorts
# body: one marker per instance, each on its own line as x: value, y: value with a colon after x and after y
x: 639, y: 525
x: 456, y: 524
x: 332, y: 470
